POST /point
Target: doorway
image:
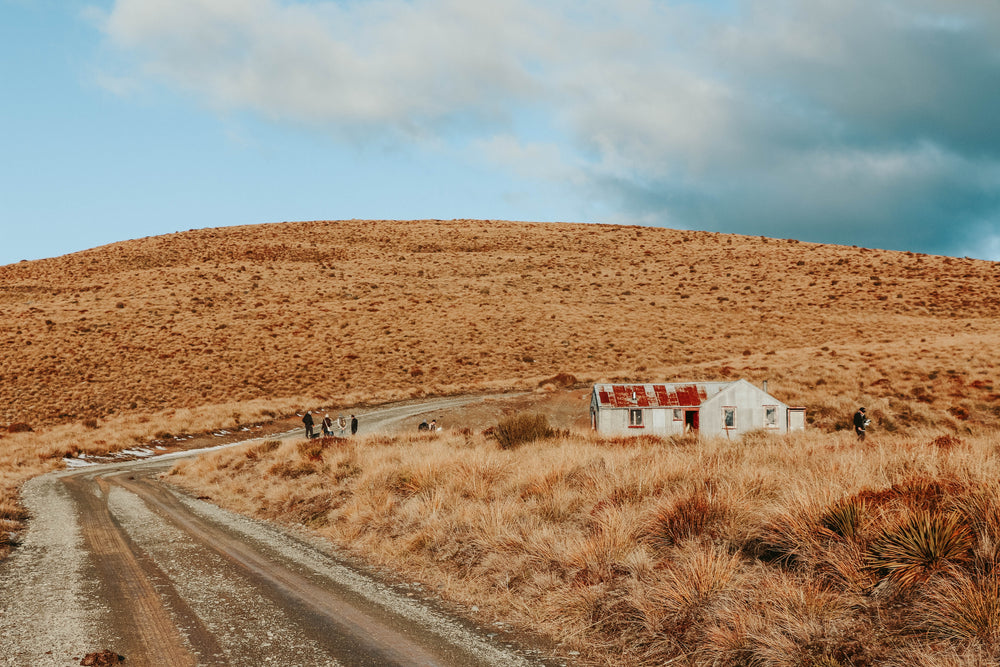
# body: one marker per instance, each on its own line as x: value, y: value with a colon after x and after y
x: 690, y: 420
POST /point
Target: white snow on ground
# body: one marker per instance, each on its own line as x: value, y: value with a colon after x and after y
x: 149, y: 454
x: 78, y: 463
x: 138, y: 453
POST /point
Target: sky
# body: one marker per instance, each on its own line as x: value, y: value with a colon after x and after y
x: 861, y: 122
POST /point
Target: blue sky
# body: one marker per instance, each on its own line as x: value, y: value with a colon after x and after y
x: 870, y: 123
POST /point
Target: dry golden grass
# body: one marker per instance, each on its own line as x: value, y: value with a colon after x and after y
x: 321, y: 309
x: 640, y: 551
x: 634, y: 550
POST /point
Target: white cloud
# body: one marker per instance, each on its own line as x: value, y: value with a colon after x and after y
x: 813, y: 119
x: 395, y: 63
x: 535, y: 160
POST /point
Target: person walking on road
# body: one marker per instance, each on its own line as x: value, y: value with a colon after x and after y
x: 860, y: 424
x: 354, y: 425
x: 308, y: 421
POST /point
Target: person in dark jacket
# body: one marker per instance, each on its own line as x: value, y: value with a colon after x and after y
x: 860, y: 423
x: 308, y: 421
x: 354, y: 425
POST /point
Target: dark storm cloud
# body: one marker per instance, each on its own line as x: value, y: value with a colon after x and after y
x: 848, y: 122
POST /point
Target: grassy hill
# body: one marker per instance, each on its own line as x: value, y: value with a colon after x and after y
x: 803, y: 549
x: 365, y: 309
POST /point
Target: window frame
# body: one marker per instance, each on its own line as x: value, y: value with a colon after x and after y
x: 725, y: 425
x: 774, y: 424
x: 635, y: 419
x: 678, y: 414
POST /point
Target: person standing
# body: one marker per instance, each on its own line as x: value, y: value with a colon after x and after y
x: 308, y: 421
x: 354, y: 425
x: 341, y: 425
x: 860, y: 423
x: 327, y: 426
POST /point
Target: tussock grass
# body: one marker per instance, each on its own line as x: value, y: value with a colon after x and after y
x: 637, y: 550
x: 519, y: 429
x: 784, y: 551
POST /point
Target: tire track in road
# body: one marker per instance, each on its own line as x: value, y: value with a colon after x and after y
x: 354, y: 636
x: 139, y: 613
x: 175, y: 581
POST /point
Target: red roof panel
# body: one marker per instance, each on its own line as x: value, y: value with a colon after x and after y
x: 663, y: 395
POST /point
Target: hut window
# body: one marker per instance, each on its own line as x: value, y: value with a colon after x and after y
x: 678, y: 415
x: 635, y: 418
x: 771, y: 416
x: 728, y: 418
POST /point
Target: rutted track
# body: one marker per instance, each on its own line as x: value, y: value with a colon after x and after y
x: 114, y: 559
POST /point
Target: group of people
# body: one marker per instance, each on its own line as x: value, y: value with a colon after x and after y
x: 425, y: 426
x: 329, y: 426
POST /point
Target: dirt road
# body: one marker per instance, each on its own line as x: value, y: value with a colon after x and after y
x: 113, y: 559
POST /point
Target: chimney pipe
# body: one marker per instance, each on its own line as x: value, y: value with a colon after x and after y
x: 765, y: 386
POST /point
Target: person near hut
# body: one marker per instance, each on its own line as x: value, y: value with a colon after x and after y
x: 354, y: 425
x: 307, y: 419
x: 861, y: 422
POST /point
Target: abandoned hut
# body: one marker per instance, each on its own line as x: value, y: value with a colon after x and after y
x: 710, y: 408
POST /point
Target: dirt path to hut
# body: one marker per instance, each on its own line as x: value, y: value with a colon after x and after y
x: 116, y: 560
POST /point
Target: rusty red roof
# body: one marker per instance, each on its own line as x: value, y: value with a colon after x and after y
x: 665, y: 395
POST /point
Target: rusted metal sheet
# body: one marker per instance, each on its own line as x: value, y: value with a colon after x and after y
x: 651, y: 395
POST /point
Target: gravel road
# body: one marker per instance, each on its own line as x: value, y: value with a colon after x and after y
x: 113, y: 559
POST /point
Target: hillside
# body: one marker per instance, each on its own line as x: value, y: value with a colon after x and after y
x: 626, y: 551
x: 364, y: 310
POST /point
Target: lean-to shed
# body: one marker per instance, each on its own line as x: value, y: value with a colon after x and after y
x: 712, y: 408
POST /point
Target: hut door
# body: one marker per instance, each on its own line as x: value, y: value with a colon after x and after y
x: 690, y: 420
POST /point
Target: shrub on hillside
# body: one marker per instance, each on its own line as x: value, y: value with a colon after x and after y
x: 19, y: 427
x: 519, y: 429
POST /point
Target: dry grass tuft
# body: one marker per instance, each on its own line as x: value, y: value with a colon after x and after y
x: 964, y: 611
x: 519, y: 429
x: 694, y: 516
